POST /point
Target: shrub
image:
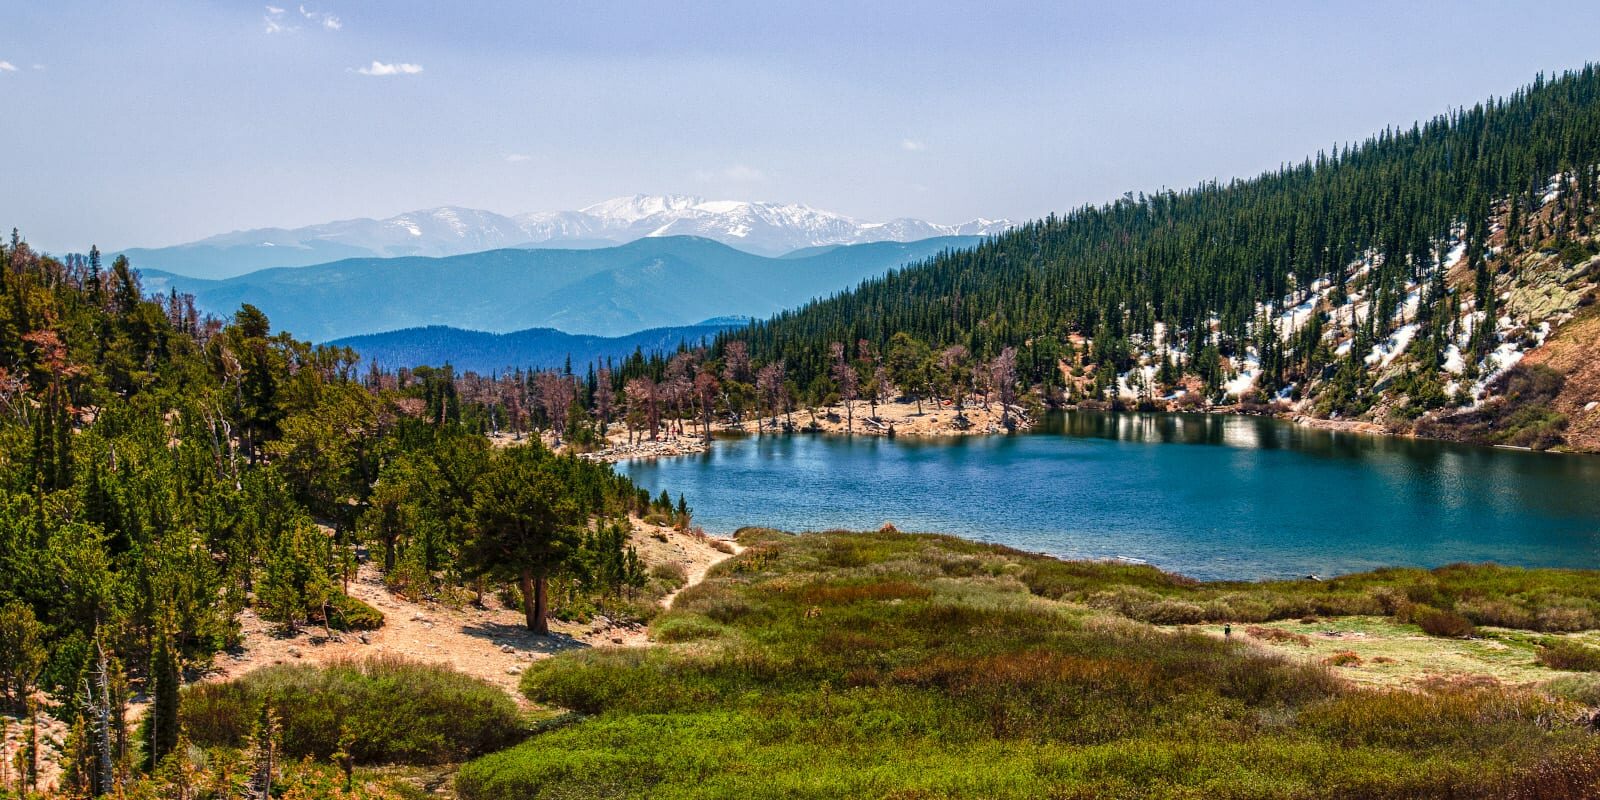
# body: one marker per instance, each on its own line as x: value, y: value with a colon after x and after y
x: 1498, y: 613
x: 685, y: 629
x: 346, y: 613
x: 509, y: 595
x: 1565, y: 619
x: 670, y: 572
x: 722, y: 546
x: 398, y: 711
x: 1569, y: 655
x: 1277, y: 635
x: 1435, y: 622
x: 1343, y: 658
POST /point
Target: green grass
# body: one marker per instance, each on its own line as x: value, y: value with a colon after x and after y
x: 888, y: 665
x: 398, y: 712
x: 1484, y: 594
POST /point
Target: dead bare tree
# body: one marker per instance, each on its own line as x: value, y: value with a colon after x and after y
x: 849, y: 382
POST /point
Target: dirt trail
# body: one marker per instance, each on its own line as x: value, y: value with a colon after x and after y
x: 490, y: 643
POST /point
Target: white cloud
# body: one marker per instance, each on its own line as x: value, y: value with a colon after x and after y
x: 7, y: 66
x: 518, y: 158
x: 738, y: 173
x: 279, y: 20
x: 38, y: 66
x: 380, y: 69
x: 274, y: 20
x: 913, y: 145
x: 324, y: 18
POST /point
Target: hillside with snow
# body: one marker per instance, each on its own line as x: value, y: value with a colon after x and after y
x: 761, y: 228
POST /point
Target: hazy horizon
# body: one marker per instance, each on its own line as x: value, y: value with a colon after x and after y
x: 149, y: 129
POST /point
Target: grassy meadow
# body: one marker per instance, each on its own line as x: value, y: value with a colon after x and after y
x: 914, y: 666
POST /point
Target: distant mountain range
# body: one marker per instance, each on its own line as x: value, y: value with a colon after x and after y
x: 754, y: 227
x: 537, y: 348
x: 649, y: 283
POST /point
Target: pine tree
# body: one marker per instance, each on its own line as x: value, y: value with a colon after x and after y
x: 162, y: 727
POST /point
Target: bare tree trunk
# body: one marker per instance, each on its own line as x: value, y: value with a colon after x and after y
x: 102, y: 713
x: 535, y: 602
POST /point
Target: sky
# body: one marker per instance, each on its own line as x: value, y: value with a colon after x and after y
x: 153, y: 123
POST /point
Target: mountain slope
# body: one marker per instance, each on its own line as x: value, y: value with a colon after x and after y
x: 755, y: 227
x: 536, y: 348
x: 650, y: 283
x: 1394, y: 285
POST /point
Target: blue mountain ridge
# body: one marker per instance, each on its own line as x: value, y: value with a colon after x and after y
x: 535, y: 348
x: 649, y: 283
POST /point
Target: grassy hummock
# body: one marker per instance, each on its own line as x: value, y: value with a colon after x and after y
x: 392, y: 711
x: 912, y: 666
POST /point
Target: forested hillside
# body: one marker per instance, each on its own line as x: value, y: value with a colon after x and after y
x: 1399, y: 280
x: 161, y: 472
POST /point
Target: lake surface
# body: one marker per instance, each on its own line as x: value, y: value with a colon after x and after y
x: 1208, y: 496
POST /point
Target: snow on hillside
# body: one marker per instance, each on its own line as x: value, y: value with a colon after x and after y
x: 1514, y: 336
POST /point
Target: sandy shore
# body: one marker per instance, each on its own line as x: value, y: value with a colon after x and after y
x: 887, y: 419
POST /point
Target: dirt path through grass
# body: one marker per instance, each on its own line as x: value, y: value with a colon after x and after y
x: 490, y: 643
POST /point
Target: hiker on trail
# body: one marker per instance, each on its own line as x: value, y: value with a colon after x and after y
x: 1227, y: 631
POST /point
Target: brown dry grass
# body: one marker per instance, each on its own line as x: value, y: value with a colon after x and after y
x: 1574, y: 351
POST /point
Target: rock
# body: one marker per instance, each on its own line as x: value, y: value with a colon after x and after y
x: 506, y: 648
x: 616, y: 640
x: 513, y: 670
x: 888, y: 527
x: 294, y: 652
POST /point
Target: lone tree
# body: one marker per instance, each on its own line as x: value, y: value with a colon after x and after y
x: 527, y: 524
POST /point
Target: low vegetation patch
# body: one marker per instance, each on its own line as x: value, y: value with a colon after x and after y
x: 889, y: 665
x: 1569, y: 655
x: 1343, y: 658
x: 391, y: 710
x: 1452, y: 599
x: 1435, y: 622
x: 1277, y: 635
x: 347, y: 613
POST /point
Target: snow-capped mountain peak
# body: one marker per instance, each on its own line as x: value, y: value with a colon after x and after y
x: 760, y: 227
x: 628, y: 210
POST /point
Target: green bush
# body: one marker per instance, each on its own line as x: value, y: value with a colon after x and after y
x: 670, y: 573
x: 683, y: 628
x: 346, y: 613
x: 398, y: 711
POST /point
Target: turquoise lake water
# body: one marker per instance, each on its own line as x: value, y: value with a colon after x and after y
x: 1208, y: 496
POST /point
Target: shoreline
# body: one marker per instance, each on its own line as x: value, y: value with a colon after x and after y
x: 892, y: 420
x: 938, y: 422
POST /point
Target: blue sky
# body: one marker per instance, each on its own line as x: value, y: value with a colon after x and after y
x: 146, y: 123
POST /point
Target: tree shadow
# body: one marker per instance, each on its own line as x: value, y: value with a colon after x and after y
x: 522, y: 639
